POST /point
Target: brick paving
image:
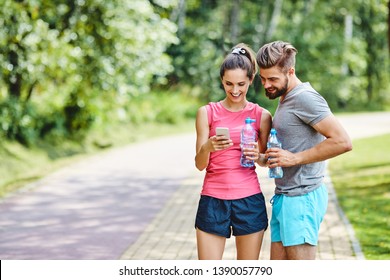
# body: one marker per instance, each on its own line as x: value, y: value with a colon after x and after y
x: 171, y: 235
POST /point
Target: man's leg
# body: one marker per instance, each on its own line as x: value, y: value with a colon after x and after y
x: 278, y: 251
x: 297, y: 252
x: 301, y: 252
x: 297, y: 225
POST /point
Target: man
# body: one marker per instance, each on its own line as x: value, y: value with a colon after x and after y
x: 310, y: 134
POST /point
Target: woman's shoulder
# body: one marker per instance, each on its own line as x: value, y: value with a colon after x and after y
x: 257, y: 107
x: 207, y: 111
x: 214, y: 104
x: 202, y: 110
x: 208, y: 106
x: 265, y: 115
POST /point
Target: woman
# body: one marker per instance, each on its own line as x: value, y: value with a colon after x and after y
x: 231, y: 199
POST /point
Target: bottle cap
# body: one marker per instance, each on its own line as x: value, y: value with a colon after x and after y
x: 249, y: 120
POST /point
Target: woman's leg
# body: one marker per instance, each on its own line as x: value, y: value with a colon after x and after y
x: 249, y: 246
x: 210, y: 246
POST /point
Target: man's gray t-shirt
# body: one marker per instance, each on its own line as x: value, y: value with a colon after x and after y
x: 302, y: 108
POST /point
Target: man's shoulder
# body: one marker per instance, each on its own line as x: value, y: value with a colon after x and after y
x: 308, y: 95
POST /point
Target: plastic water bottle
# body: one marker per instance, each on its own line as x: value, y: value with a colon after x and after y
x: 273, y: 142
x: 248, y: 136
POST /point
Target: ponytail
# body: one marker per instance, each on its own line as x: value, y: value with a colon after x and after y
x: 241, y: 57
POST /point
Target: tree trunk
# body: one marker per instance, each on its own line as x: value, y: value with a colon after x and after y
x: 388, y: 25
x: 179, y: 15
x: 348, y: 32
x: 274, y: 19
x: 371, y: 53
x: 15, y: 78
x: 234, y: 21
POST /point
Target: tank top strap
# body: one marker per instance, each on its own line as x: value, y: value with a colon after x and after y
x: 259, y: 112
x: 256, y: 112
x: 209, y: 109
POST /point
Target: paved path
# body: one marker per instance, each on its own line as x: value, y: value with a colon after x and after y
x: 139, y: 202
x: 95, y: 208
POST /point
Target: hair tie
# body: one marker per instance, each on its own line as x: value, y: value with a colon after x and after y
x: 239, y: 51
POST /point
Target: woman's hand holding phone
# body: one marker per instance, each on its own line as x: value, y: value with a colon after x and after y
x: 221, y: 140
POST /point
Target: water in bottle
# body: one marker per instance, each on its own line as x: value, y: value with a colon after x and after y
x: 248, y: 136
x: 273, y: 142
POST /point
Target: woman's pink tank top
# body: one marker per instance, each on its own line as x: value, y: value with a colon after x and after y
x: 225, y: 177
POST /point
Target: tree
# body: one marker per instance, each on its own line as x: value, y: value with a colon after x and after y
x: 70, y: 60
x: 388, y: 25
x: 372, y: 26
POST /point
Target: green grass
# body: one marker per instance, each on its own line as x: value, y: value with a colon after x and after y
x: 362, y: 182
x: 20, y: 165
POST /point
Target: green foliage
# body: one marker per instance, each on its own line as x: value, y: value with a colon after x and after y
x: 66, y: 66
x: 170, y: 107
x: 350, y: 69
x: 68, y: 59
x: 18, y: 122
x: 79, y: 115
x: 362, y: 182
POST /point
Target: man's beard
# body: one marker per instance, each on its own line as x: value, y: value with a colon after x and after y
x: 277, y: 93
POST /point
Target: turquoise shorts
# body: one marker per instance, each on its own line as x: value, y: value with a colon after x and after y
x: 296, y: 219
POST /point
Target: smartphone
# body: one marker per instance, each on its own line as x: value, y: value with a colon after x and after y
x: 222, y: 131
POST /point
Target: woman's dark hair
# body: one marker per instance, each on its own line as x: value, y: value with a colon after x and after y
x: 241, y: 57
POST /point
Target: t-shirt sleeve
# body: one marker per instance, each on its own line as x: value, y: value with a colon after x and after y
x: 312, y: 107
